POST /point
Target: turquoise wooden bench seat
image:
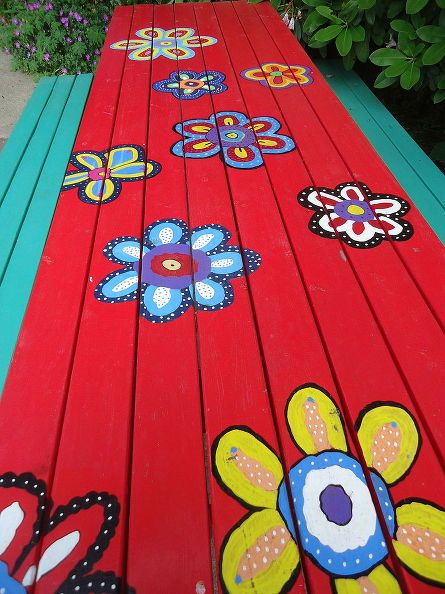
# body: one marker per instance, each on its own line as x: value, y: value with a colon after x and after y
x: 412, y: 168
x: 32, y: 165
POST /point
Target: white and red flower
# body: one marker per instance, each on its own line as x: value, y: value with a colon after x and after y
x: 359, y: 217
x: 54, y: 552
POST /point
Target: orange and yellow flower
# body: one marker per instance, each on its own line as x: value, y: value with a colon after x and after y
x: 279, y: 76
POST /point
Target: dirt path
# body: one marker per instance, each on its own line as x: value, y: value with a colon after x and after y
x: 15, y: 90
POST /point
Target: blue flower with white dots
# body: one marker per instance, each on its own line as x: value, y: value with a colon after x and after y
x: 174, y: 268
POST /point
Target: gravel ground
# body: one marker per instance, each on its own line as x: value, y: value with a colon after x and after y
x: 15, y: 90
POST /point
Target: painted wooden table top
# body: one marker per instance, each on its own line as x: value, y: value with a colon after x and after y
x: 230, y: 374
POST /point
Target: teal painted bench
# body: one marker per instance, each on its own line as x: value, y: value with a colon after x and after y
x: 32, y: 164
x: 414, y: 170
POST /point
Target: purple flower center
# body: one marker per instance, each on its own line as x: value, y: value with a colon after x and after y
x: 174, y: 266
x: 336, y: 505
x: 231, y: 136
x: 354, y: 210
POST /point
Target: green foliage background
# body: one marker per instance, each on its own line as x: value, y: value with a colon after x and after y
x: 405, y: 38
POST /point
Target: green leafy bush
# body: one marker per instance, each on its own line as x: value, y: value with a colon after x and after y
x: 406, y: 38
x: 55, y: 36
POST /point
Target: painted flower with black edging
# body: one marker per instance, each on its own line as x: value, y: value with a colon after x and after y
x: 241, y: 141
x: 57, y: 553
x: 360, y: 217
x: 99, y: 175
x: 187, y: 84
x: 330, y: 498
x: 176, y: 269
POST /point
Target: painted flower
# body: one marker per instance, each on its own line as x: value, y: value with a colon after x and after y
x: 75, y: 537
x: 330, y: 499
x: 361, y: 218
x: 279, y: 76
x: 242, y: 141
x: 178, y: 269
x: 175, y: 44
x: 187, y: 84
x: 99, y: 175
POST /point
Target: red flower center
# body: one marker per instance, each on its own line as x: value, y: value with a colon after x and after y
x: 174, y: 264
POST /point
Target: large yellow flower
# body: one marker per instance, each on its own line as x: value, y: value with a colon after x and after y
x: 279, y: 76
x: 330, y: 499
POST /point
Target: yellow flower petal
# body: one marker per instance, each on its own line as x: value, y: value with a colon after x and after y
x: 380, y: 581
x: 389, y: 440
x: 260, y: 555
x: 420, y: 540
x: 248, y: 468
x: 314, y: 420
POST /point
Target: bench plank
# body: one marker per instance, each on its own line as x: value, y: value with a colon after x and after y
x: 44, y: 354
x: 416, y: 173
x: 169, y: 508
x: 12, y: 153
x: 374, y: 269
x: 17, y: 198
x: 17, y: 282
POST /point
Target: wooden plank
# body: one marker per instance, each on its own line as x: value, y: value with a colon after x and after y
x: 16, y: 201
x: 251, y: 216
x: 396, y: 148
x: 417, y: 352
x: 423, y: 252
x: 235, y: 391
x: 16, y: 286
x: 169, y: 510
x: 17, y: 143
x: 99, y: 449
x: 324, y: 273
x: 43, y: 358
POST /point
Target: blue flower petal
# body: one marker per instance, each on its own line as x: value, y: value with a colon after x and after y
x: 242, y: 118
x: 385, y: 502
x: 120, y: 285
x: 275, y: 125
x: 166, y: 231
x: 210, y: 295
x: 122, y: 250
x: 208, y: 237
x: 128, y: 251
x: 289, y: 145
x: 161, y: 304
x: 225, y: 263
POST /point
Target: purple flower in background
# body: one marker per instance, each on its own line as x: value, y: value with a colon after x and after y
x: 69, y: 40
x: 28, y: 54
x: 79, y: 38
x: 87, y: 57
x: 33, y: 49
x: 17, y: 44
x: 7, y: 51
x: 106, y: 29
x: 60, y: 12
x: 97, y: 52
x: 77, y: 17
x: 106, y: 17
x: 78, y: 72
x: 46, y: 57
x: 48, y: 7
x: 15, y: 21
x: 85, y: 22
x: 63, y: 71
x: 16, y: 32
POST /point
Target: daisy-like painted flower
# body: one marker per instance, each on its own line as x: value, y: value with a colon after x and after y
x: 337, y: 522
x: 361, y: 218
x: 175, y: 44
x: 241, y: 141
x: 177, y: 269
x: 99, y: 175
x: 75, y: 538
x: 187, y: 84
x: 279, y: 76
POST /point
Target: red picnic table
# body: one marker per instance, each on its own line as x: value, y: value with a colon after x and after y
x: 230, y: 375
